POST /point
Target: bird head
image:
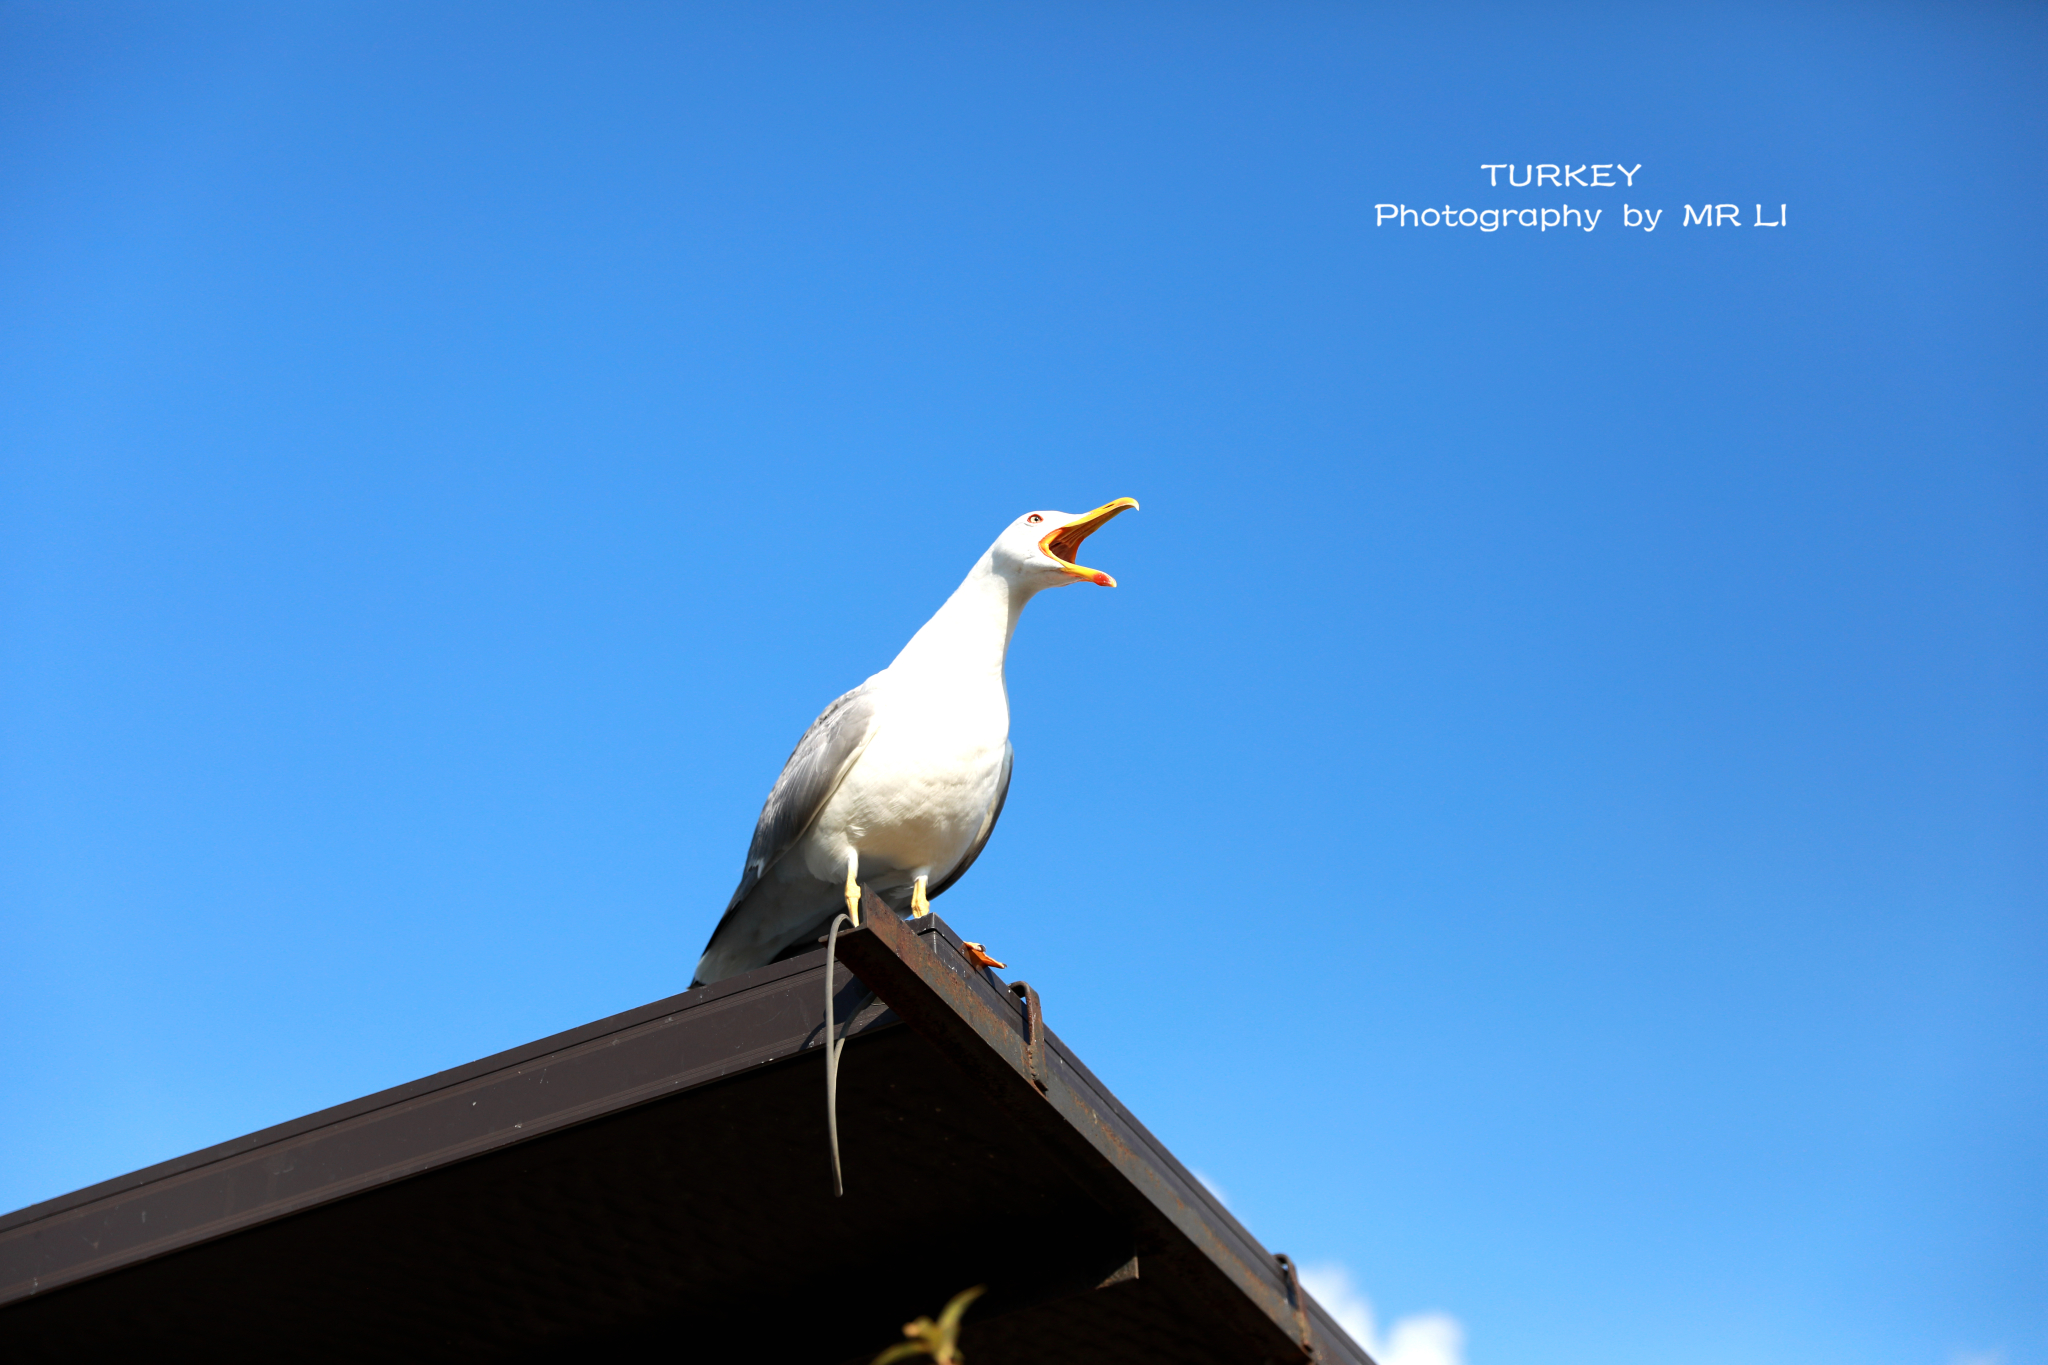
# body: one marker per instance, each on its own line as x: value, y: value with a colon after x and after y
x: 1039, y: 548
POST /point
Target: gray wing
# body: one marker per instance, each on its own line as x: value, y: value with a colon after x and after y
x: 813, y: 773
x: 988, y: 825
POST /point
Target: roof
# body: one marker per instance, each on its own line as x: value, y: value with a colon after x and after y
x: 660, y: 1178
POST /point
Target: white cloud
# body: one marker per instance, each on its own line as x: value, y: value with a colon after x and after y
x: 1977, y: 1358
x: 1421, y: 1339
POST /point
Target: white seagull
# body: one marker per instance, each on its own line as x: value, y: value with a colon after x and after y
x: 897, y: 786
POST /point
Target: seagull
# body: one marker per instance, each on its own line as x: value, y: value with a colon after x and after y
x: 897, y: 786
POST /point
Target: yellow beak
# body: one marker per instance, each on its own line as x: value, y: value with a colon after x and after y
x: 1064, y: 542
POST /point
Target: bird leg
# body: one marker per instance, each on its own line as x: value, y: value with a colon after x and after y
x: 919, y: 906
x: 853, y: 888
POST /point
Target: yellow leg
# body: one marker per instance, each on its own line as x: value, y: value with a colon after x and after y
x: 919, y: 906
x: 853, y: 889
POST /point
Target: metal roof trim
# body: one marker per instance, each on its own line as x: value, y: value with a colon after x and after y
x: 891, y: 972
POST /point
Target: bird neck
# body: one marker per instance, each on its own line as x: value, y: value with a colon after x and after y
x: 970, y: 634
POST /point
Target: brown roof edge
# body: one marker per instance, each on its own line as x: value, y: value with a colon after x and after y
x: 397, y: 1094
x: 920, y: 976
x: 921, y: 970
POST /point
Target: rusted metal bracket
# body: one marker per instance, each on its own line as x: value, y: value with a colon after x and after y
x: 1123, y: 1274
x: 1043, y: 1284
x: 1034, y: 1034
x: 1299, y: 1303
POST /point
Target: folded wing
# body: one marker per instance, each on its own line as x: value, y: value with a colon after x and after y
x: 819, y: 764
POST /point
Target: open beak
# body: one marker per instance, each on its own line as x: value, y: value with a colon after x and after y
x: 1064, y: 542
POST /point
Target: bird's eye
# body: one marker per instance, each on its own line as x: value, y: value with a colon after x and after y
x: 1034, y: 518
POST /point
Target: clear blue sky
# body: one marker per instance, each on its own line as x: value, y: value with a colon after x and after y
x: 1552, y: 822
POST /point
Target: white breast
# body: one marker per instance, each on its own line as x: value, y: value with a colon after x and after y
x: 916, y: 798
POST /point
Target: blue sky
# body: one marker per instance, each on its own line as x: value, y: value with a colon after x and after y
x: 1552, y: 822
